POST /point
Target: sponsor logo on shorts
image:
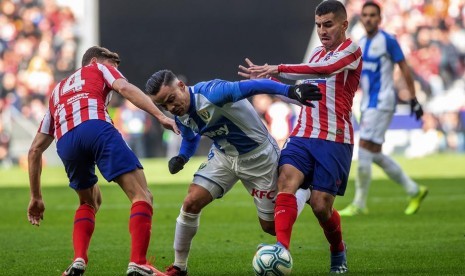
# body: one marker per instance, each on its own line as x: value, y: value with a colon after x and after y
x: 263, y: 194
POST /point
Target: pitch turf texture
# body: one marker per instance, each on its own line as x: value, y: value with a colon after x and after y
x: 385, y: 242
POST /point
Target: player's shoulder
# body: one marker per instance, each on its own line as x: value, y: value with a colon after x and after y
x: 386, y: 35
x: 208, y: 86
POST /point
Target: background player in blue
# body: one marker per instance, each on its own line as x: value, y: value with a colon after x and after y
x: 381, y: 52
x: 242, y: 147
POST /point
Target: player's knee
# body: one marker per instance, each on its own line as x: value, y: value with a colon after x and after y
x: 321, y: 211
x: 192, y: 205
x: 188, y: 219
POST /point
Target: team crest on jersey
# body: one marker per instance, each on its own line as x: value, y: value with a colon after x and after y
x: 205, y: 115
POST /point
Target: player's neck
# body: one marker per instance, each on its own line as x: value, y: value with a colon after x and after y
x: 372, y: 33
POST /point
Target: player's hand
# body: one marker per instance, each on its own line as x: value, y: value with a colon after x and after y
x: 170, y: 124
x: 246, y: 72
x: 176, y: 164
x: 305, y: 93
x: 35, y: 211
x: 416, y: 109
x: 264, y: 71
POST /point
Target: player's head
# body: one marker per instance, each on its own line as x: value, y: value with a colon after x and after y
x: 167, y: 91
x: 371, y: 17
x: 100, y: 55
x: 331, y: 22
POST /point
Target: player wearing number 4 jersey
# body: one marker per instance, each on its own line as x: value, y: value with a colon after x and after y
x: 78, y: 118
x: 319, y: 151
x: 242, y: 147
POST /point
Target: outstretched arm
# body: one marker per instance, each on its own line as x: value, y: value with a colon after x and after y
x: 36, y: 208
x: 142, y: 101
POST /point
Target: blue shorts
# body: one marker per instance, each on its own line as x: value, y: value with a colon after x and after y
x: 90, y: 143
x: 325, y: 164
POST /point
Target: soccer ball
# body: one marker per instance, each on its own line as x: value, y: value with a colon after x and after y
x: 272, y: 260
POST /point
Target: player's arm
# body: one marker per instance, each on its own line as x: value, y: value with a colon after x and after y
x: 222, y: 92
x: 142, y: 101
x: 189, y: 144
x: 36, y: 208
x: 415, y: 106
x: 347, y: 59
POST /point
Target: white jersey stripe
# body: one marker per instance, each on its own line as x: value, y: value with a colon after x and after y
x: 77, y: 113
x: 92, y: 109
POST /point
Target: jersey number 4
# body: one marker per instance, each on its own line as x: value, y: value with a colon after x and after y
x: 73, y: 84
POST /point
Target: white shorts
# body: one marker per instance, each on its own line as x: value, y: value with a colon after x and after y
x: 374, y: 124
x: 258, y: 171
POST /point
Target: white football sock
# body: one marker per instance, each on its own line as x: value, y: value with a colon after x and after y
x: 395, y: 172
x: 302, y: 196
x: 363, y: 179
x: 186, y: 228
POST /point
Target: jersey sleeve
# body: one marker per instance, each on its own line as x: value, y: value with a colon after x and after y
x: 346, y: 59
x: 47, y: 125
x: 394, y: 49
x: 190, y: 141
x: 110, y: 74
x: 220, y: 92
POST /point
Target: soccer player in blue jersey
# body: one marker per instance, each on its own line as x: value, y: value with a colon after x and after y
x: 242, y: 147
x: 381, y: 52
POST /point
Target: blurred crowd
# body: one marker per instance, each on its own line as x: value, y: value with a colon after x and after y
x: 39, y: 41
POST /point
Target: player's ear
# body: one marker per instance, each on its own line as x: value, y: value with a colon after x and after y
x: 93, y: 60
x: 181, y: 84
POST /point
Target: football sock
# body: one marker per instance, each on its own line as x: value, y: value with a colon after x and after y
x: 363, y: 179
x: 186, y: 228
x: 140, y: 226
x: 395, y: 172
x: 302, y: 196
x: 333, y: 232
x: 84, y: 224
x: 285, y: 214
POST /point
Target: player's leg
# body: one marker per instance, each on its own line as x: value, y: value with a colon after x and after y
x: 140, y: 221
x: 416, y: 192
x: 211, y: 181
x: 79, y: 164
x: 118, y: 163
x: 187, y: 224
x: 294, y: 163
x: 330, y: 179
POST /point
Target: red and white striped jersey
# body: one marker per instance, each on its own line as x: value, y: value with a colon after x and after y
x: 80, y: 97
x: 337, y: 74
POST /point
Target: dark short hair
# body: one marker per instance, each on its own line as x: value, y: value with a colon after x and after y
x: 372, y: 4
x: 331, y: 6
x: 101, y: 53
x: 159, y: 79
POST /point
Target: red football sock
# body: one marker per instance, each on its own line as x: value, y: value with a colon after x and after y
x: 333, y: 232
x: 84, y: 224
x: 140, y: 226
x: 285, y: 214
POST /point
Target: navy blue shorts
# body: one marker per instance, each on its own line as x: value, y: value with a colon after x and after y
x: 325, y: 164
x: 95, y: 142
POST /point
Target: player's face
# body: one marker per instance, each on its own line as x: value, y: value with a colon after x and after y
x: 331, y: 30
x: 174, y: 98
x: 370, y: 19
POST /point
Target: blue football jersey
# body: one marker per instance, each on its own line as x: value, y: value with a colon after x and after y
x: 219, y: 110
x: 380, y: 54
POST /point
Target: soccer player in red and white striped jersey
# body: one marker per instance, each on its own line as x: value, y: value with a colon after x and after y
x: 319, y: 151
x: 78, y: 119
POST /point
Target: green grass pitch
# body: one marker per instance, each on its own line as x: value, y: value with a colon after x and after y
x: 385, y: 242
